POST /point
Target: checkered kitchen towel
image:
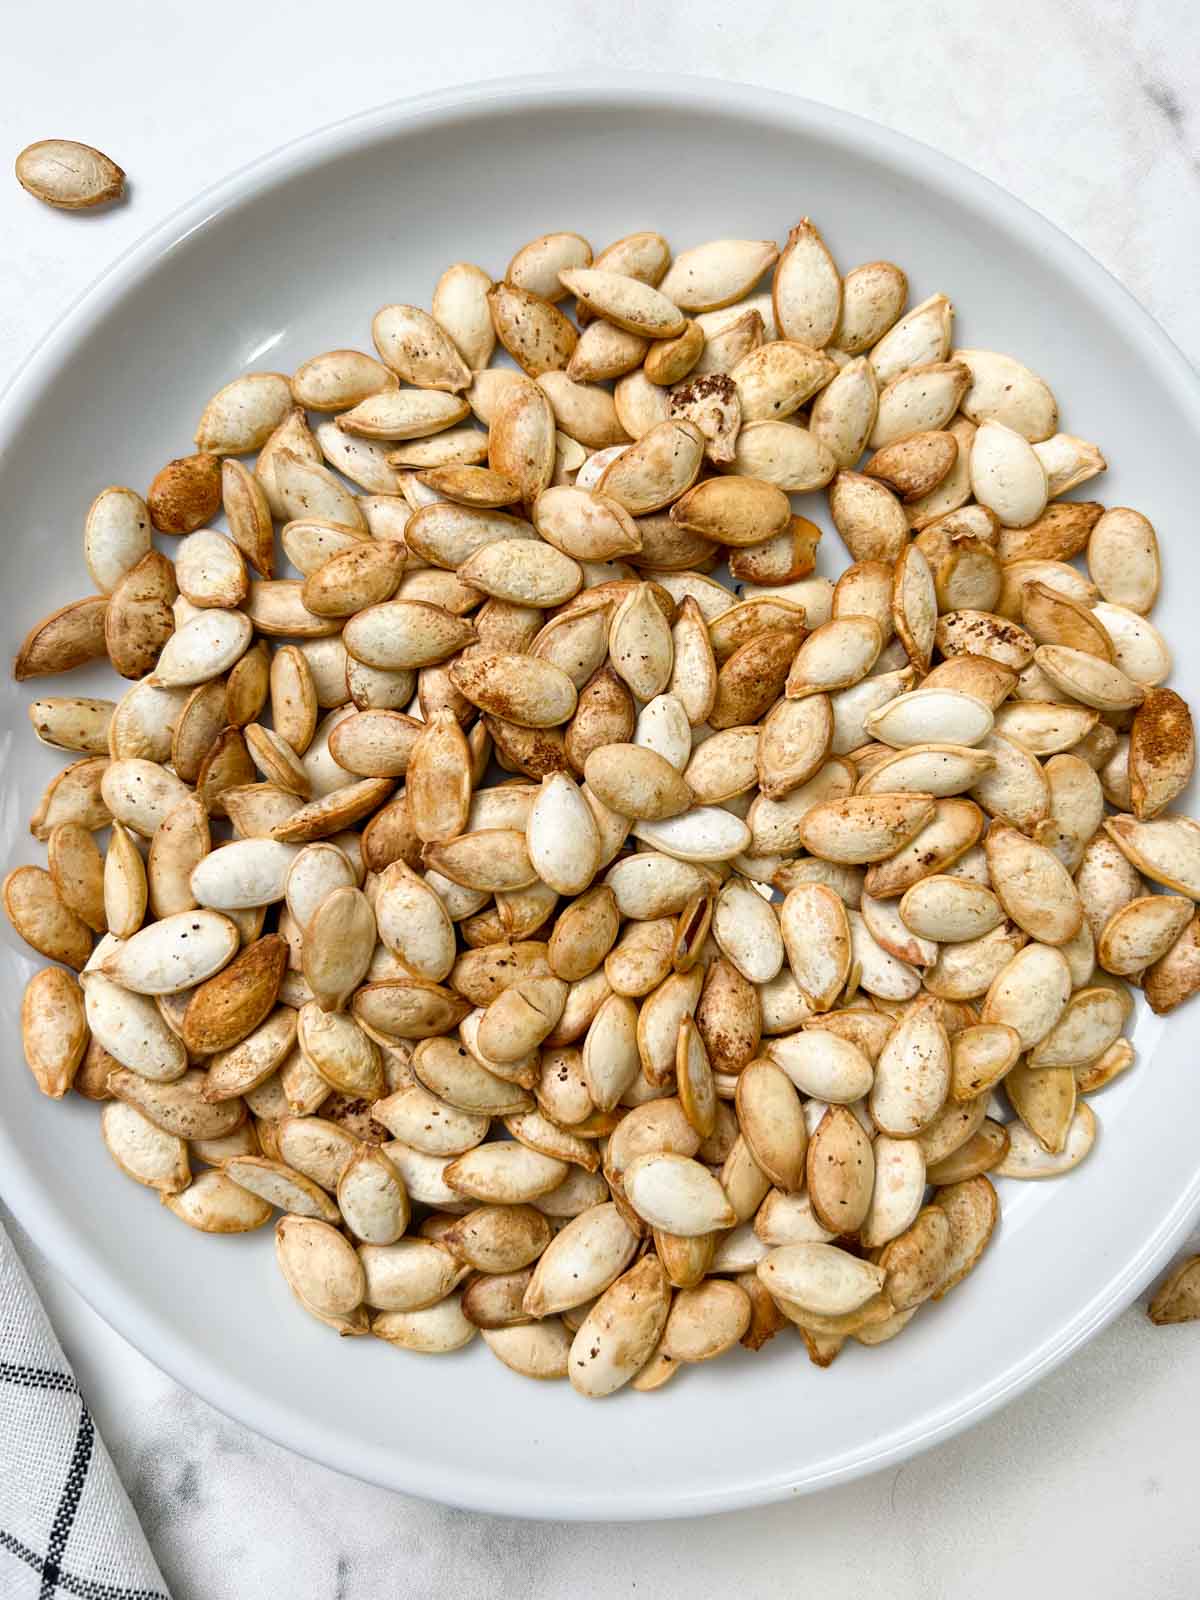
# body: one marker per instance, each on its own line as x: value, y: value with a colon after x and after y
x: 66, y: 1524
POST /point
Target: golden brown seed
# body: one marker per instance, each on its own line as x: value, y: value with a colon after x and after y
x: 669, y: 360
x: 1175, y: 976
x: 733, y: 510
x: 42, y: 918
x: 1178, y: 1297
x: 840, y: 1170
x: 54, y: 1030
x: 67, y: 638
x: 693, y: 1075
x: 228, y: 1007
x: 247, y: 686
x: 1161, y: 752
x: 76, y: 794
x: 868, y: 516
x: 751, y: 678
x: 535, y: 333
x: 439, y: 780
x: 635, y: 307
x: 77, y: 869
x: 139, y: 619
x: 521, y: 440
x: 865, y: 828
x: 636, y: 782
x: 185, y: 494
x: 772, y: 1122
x: 655, y: 470
x: 913, y: 466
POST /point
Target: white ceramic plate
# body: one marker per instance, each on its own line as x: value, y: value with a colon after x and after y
x: 291, y: 257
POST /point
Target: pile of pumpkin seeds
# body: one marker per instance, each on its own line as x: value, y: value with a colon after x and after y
x: 799, y: 918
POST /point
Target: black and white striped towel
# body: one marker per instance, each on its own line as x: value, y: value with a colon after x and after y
x: 66, y: 1525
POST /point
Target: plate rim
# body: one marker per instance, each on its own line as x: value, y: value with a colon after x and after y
x: 50, y: 1228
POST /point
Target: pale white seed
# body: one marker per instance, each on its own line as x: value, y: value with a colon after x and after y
x: 244, y: 414
x: 677, y: 1194
x: 1091, y: 1022
x: 116, y: 535
x: 807, y: 290
x: 282, y: 1188
x: 1068, y: 462
x: 210, y: 570
x: 816, y: 935
x: 320, y: 1265
x: 1139, y: 649
x: 637, y: 307
x: 504, y: 1174
x: 174, y: 954
x: 144, y: 1152
x: 409, y: 1275
x: 204, y: 648
x: 414, y: 346
x: 460, y: 308
x: 581, y: 1261
x: 1165, y: 848
x: 854, y: 707
x: 823, y: 1065
x: 899, y: 1190
x: 1087, y: 678
x: 305, y: 488
x: 372, y: 1198
x: 663, y: 726
x: 820, y: 1277
x: 893, y: 935
x: 1141, y: 932
x: 424, y: 1175
x: 843, y: 414
x: 872, y: 299
x: 879, y: 972
x: 1030, y: 993
x: 922, y: 715
x: 747, y: 931
x: 364, y: 461
x: 651, y: 473
x: 922, y: 335
x: 213, y: 1203
x: 922, y: 398
x: 1033, y: 886
x: 716, y: 274
x: 786, y: 1219
x: 130, y: 1028
x: 950, y: 910
x: 785, y: 454
x: 1122, y: 558
x: 338, y: 379
x: 640, y: 644
x: 561, y: 835
x: 1002, y: 389
x: 1006, y: 475
x: 912, y: 1075
x: 246, y: 873
x: 701, y: 834
x: 432, y: 1331
x: 1026, y: 1157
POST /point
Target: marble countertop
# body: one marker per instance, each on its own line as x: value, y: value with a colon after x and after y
x: 1090, y: 111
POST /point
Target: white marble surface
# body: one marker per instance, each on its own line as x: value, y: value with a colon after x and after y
x: 1086, y: 109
